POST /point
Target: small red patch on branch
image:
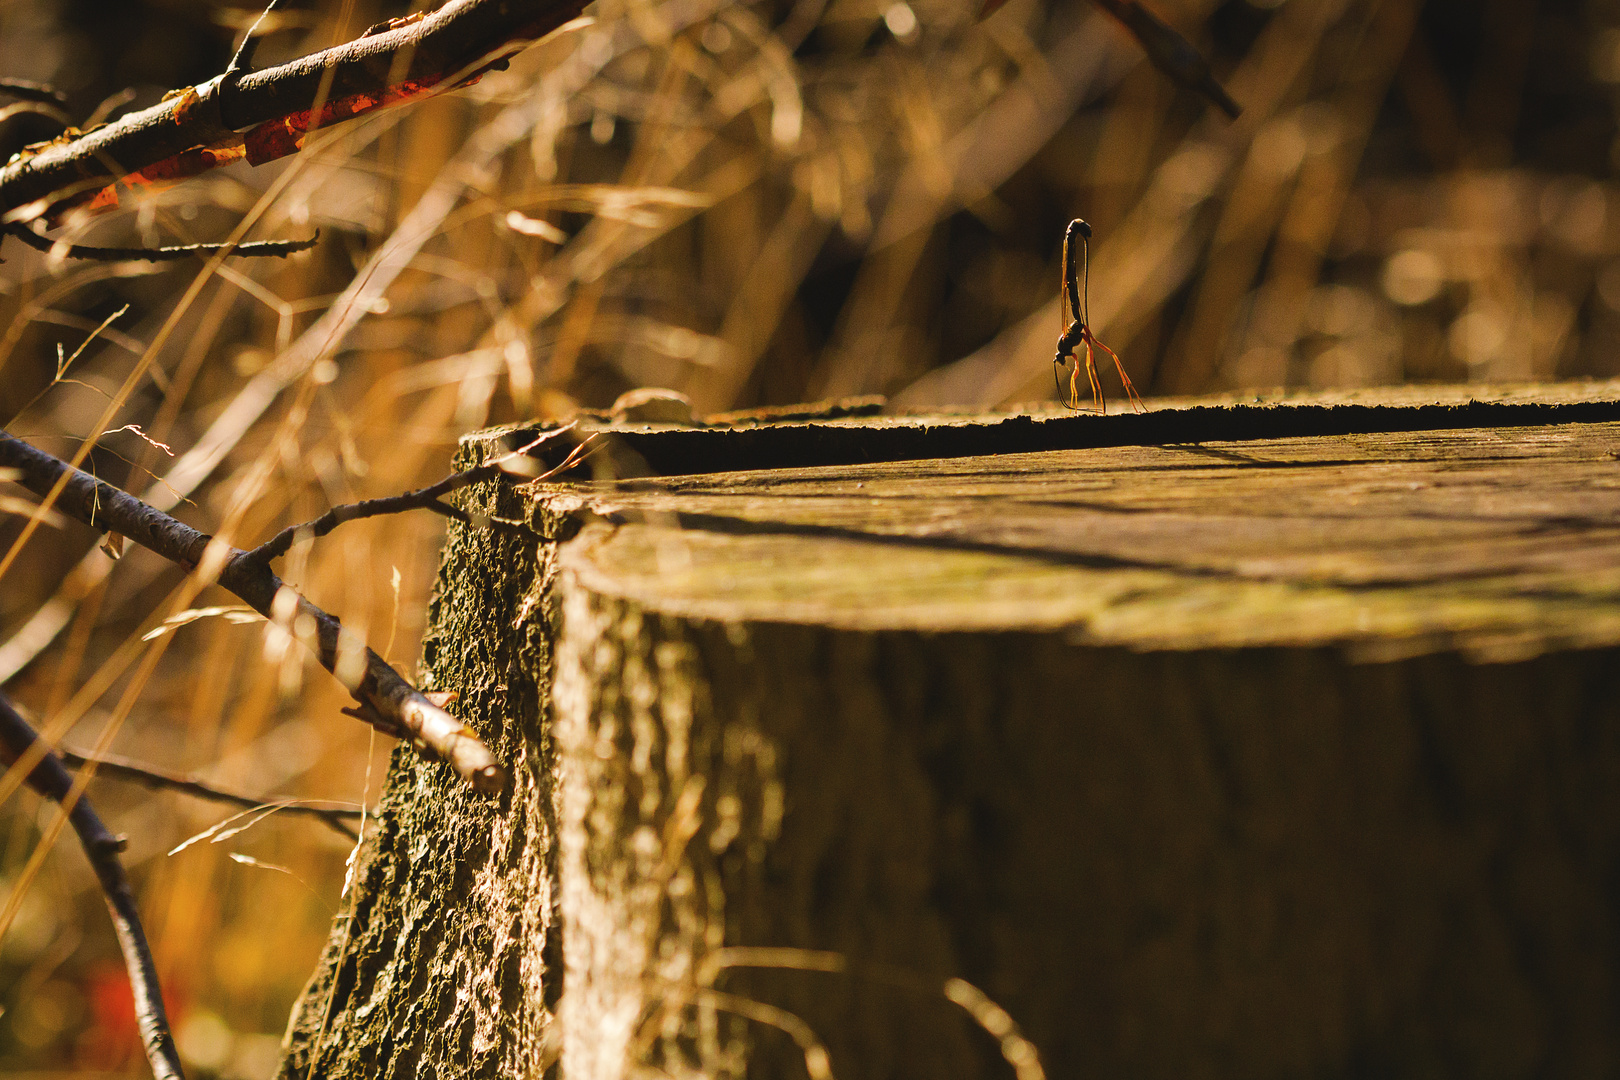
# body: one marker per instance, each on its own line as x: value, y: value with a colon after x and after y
x: 182, y: 166
x: 285, y: 135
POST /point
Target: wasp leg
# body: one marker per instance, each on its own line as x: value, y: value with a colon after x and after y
x: 1068, y: 342
x: 1058, y: 363
x: 1130, y: 390
x: 1098, y: 398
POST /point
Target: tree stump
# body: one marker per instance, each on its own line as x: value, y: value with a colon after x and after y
x: 1259, y: 740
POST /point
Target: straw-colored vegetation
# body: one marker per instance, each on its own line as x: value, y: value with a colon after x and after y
x: 751, y: 203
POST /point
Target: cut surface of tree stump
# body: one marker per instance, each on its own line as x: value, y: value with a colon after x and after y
x: 1266, y: 740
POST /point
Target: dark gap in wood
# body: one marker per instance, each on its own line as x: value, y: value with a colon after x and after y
x: 682, y: 451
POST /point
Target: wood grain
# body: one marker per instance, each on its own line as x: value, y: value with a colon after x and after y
x: 1500, y: 541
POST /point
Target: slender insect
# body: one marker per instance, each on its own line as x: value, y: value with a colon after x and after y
x: 1077, y: 307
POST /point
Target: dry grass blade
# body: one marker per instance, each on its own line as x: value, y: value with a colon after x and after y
x: 817, y: 1062
x: 334, y: 816
x: 10, y: 504
x: 1019, y: 1051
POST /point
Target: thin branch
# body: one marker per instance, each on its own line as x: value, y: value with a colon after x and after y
x: 384, y: 699
x: 1167, y: 50
x: 422, y: 499
x: 427, y: 498
x: 243, y: 60
x: 36, y: 108
x: 278, y: 249
x: 333, y: 815
x: 1171, y: 53
x: 454, y: 513
x: 263, y: 115
x: 28, y: 90
x: 52, y: 780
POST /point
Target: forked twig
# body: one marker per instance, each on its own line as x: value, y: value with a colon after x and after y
x: 384, y: 698
x: 422, y: 499
x: 1077, y: 332
x: 427, y: 498
x: 51, y: 779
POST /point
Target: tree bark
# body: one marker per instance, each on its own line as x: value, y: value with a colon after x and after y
x: 436, y: 958
x: 1296, y: 757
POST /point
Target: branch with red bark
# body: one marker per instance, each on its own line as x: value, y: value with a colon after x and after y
x: 263, y: 115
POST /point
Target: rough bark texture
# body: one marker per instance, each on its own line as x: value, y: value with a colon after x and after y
x: 1257, y: 759
x: 435, y: 962
x: 1250, y: 863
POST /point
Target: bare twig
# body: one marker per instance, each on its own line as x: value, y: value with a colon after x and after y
x: 384, y: 699
x: 278, y: 249
x: 333, y: 815
x: 243, y: 60
x: 422, y: 499
x: 263, y: 115
x: 328, y: 332
x: 52, y: 780
x: 1171, y: 53
x: 427, y: 498
x: 36, y: 108
x: 28, y: 90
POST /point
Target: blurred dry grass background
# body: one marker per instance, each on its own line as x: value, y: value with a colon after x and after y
x: 754, y: 204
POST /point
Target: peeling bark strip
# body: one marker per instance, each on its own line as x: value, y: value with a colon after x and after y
x: 1263, y: 759
x: 384, y: 699
x: 201, y: 127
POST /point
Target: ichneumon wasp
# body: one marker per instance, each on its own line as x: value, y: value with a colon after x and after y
x: 1077, y: 326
